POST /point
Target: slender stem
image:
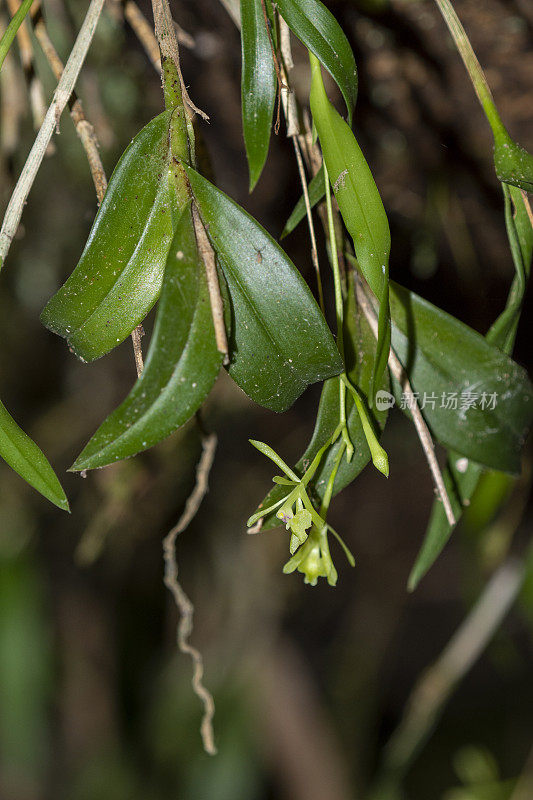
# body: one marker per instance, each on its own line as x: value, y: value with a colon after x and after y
x: 477, y: 76
x: 168, y: 46
x: 61, y: 98
x: 290, y: 111
x: 326, y: 500
x: 339, y: 307
x: 339, y: 312
x: 421, y: 428
x: 181, y: 145
x: 27, y: 57
x: 136, y: 335
x: 84, y: 129
x: 144, y: 32
x: 281, y: 85
x: 288, y: 99
x: 310, y: 223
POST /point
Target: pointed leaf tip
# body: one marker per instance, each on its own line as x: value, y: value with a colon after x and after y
x: 26, y: 458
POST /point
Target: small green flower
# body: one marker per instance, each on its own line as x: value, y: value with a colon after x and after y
x: 313, y: 566
x: 313, y: 559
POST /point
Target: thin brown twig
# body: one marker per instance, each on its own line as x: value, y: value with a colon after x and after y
x: 217, y: 306
x: 142, y: 29
x: 27, y: 58
x: 310, y: 222
x: 13, y: 101
x: 421, y: 428
x: 61, y: 97
x: 293, y: 132
x: 136, y: 336
x: 183, y: 603
x: 168, y: 46
x: 84, y: 129
x: 288, y: 99
x: 133, y: 15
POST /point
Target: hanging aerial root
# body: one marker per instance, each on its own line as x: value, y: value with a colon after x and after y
x: 183, y: 604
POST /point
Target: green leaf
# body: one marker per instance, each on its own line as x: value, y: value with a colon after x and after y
x: 513, y: 164
x: 359, y: 203
x: 258, y: 86
x: 119, y: 275
x: 11, y: 31
x: 320, y: 32
x: 462, y: 479
x: 181, y: 367
x: 360, y: 349
x: 26, y: 458
x: 441, y: 356
x: 316, y: 193
x: 280, y: 342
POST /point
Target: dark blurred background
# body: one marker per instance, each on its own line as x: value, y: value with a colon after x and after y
x: 309, y: 683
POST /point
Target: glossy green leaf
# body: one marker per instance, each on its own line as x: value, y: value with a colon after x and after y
x: 441, y: 356
x: 513, y: 164
x: 280, y: 342
x: 320, y: 32
x: 119, y: 275
x: 360, y: 349
x: 316, y: 193
x: 181, y: 367
x: 258, y: 86
x: 359, y: 203
x: 462, y: 479
x: 26, y: 458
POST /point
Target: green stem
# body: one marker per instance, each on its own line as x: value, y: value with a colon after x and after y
x: 339, y: 310
x: 339, y: 306
x: 11, y: 31
x: 326, y: 500
x: 179, y: 133
x: 477, y: 76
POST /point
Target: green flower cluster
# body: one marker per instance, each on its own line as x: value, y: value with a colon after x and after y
x: 308, y: 544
